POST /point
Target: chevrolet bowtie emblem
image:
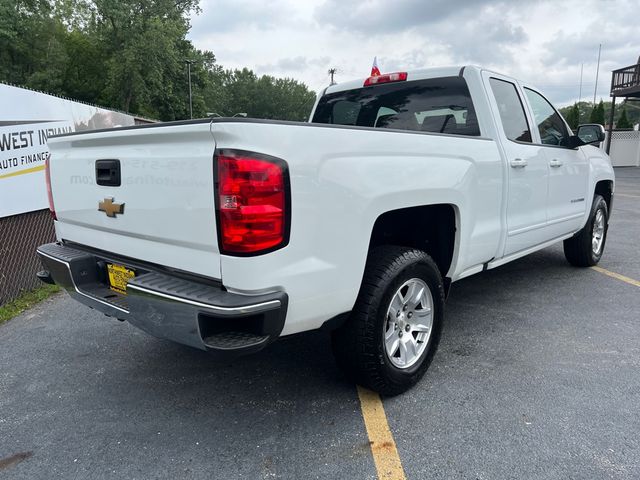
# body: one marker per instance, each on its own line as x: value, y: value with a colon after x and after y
x: 107, y: 206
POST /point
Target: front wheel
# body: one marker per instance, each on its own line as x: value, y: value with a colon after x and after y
x: 392, y: 334
x: 585, y: 248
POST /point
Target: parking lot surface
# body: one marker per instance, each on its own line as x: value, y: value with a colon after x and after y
x: 537, y: 376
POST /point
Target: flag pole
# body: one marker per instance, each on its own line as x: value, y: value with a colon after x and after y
x: 595, y: 91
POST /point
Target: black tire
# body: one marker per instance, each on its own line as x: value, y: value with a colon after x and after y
x: 578, y: 249
x: 358, y: 345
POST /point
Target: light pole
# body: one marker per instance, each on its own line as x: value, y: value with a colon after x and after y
x: 595, y: 90
x: 189, y: 62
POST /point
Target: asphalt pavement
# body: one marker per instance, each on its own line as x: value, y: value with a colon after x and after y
x: 537, y: 377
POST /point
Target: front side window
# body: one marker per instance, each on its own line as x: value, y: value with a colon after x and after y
x: 553, y: 130
x: 512, y: 116
x: 437, y: 105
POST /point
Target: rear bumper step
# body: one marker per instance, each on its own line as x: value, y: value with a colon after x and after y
x: 183, y: 310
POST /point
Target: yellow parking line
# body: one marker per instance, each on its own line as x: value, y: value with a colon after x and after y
x: 628, y: 280
x: 383, y: 447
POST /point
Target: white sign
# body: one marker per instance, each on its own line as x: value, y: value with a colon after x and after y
x: 27, y: 120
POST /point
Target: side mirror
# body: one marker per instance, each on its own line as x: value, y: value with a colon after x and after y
x: 591, y: 133
x: 574, y: 142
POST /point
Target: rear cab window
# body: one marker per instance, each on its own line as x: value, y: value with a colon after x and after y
x: 436, y: 105
x: 511, y: 110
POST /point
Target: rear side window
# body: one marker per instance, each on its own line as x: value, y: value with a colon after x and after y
x: 514, y: 120
x: 437, y: 105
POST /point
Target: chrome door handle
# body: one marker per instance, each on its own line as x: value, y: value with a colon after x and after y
x: 518, y: 163
x: 555, y: 163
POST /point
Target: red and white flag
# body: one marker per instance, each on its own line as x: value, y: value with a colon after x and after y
x: 375, y: 71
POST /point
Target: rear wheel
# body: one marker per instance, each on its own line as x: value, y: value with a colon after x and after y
x: 585, y: 248
x: 392, y: 334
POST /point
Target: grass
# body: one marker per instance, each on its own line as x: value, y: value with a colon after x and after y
x: 26, y: 301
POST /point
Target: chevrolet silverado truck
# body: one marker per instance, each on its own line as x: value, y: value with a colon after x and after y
x: 225, y: 234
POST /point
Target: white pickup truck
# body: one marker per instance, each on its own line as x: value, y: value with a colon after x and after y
x: 225, y: 234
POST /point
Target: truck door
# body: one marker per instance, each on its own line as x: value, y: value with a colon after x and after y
x: 568, y: 168
x: 527, y: 172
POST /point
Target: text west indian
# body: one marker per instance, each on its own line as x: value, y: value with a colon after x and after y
x: 17, y: 140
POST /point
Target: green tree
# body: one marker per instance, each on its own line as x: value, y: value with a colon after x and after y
x: 623, y: 121
x: 125, y: 54
x: 633, y: 114
x: 130, y: 55
x: 242, y: 91
x: 32, y: 49
x: 597, y: 114
x: 573, y: 116
x: 145, y: 46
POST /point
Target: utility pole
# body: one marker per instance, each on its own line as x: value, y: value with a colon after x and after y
x: 580, y: 94
x: 189, y: 62
x: 597, y: 72
x: 332, y: 72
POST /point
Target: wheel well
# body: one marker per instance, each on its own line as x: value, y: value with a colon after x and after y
x: 605, y: 188
x: 431, y: 228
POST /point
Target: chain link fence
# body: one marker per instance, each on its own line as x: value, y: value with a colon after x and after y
x: 20, y: 235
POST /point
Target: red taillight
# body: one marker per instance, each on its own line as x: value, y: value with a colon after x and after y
x: 386, y: 78
x: 47, y: 176
x: 252, y: 192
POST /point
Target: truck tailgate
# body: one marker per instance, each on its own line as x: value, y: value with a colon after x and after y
x: 166, y: 193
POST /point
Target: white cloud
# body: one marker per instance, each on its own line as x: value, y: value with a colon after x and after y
x: 388, y: 16
x: 293, y: 65
x: 543, y: 42
x: 224, y: 16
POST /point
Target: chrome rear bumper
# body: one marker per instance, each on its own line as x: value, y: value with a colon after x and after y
x: 192, y: 311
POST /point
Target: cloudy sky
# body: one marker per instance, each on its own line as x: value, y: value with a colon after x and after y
x: 543, y: 42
